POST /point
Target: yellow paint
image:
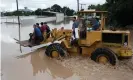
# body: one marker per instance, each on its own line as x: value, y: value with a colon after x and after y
x: 66, y: 43
x: 92, y: 37
x: 73, y: 51
x: 129, y: 38
x: 116, y: 32
x: 112, y: 44
x: 102, y: 59
x: 120, y: 51
x: 57, y: 35
x: 126, y: 52
x: 87, y: 50
x: 55, y: 54
x: 82, y: 41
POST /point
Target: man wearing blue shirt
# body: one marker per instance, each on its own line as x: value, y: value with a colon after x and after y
x: 38, y: 35
x: 95, y: 24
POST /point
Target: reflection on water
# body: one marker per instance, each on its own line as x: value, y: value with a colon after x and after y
x: 42, y: 64
x: 66, y: 21
x: 6, y: 38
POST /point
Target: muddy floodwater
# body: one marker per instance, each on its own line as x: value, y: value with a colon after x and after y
x: 36, y: 66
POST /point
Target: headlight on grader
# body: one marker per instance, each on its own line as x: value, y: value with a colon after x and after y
x: 126, y: 53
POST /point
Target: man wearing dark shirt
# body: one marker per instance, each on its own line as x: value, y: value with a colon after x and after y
x: 47, y: 30
x: 37, y: 25
x: 95, y: 24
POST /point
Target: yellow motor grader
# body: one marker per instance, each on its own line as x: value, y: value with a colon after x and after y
x: 101, y: 45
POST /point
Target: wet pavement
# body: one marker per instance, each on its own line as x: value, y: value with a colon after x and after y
x: 36, y: 66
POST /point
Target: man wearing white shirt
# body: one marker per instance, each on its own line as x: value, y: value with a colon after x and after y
x: 75, y: 27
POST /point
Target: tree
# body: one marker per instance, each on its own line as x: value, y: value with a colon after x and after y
x: 38, y: 11
x: 70, y: 12
x: 98, y: 7
x: 17, y: 13
x: 56, y: 8
x: 92, y: 6
x: 47, y: 9
x: 120, y: 12
x: 64, y: 9
x: 67, y: 11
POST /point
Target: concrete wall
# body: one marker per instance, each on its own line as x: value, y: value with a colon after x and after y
x: 59, y: 17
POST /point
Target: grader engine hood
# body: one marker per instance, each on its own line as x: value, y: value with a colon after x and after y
x: 118, y: 39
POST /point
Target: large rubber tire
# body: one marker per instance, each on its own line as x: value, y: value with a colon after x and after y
x: 112, y: 59
x: 55, y: 47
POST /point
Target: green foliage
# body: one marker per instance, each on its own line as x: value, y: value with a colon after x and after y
x: 120, y: 12
x: 8, y: 14
x: 55, y: 8
x: 98, y: 7
x: 67, y: 11
x: 18, y: 13
x: 38, y: 11
x: 43, y: 12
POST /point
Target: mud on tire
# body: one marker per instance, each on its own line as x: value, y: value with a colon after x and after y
x: 55, y: 47
x: 107, y: 52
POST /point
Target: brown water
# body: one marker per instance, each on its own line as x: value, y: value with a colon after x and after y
x: 28, y: 66
x: 36, y: 66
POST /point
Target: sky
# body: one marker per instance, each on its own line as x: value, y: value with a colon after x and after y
x: 10, y: 5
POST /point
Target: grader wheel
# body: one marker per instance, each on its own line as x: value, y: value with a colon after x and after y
x: 104, y: 55
x: 55, y: 50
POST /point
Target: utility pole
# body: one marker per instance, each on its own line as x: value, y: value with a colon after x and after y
x: 18, y: 25
x: 82, y: 5
x: 78, y: 5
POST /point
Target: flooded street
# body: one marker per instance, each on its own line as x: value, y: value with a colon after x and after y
x: 36, y: 66
x: 29, y: 65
